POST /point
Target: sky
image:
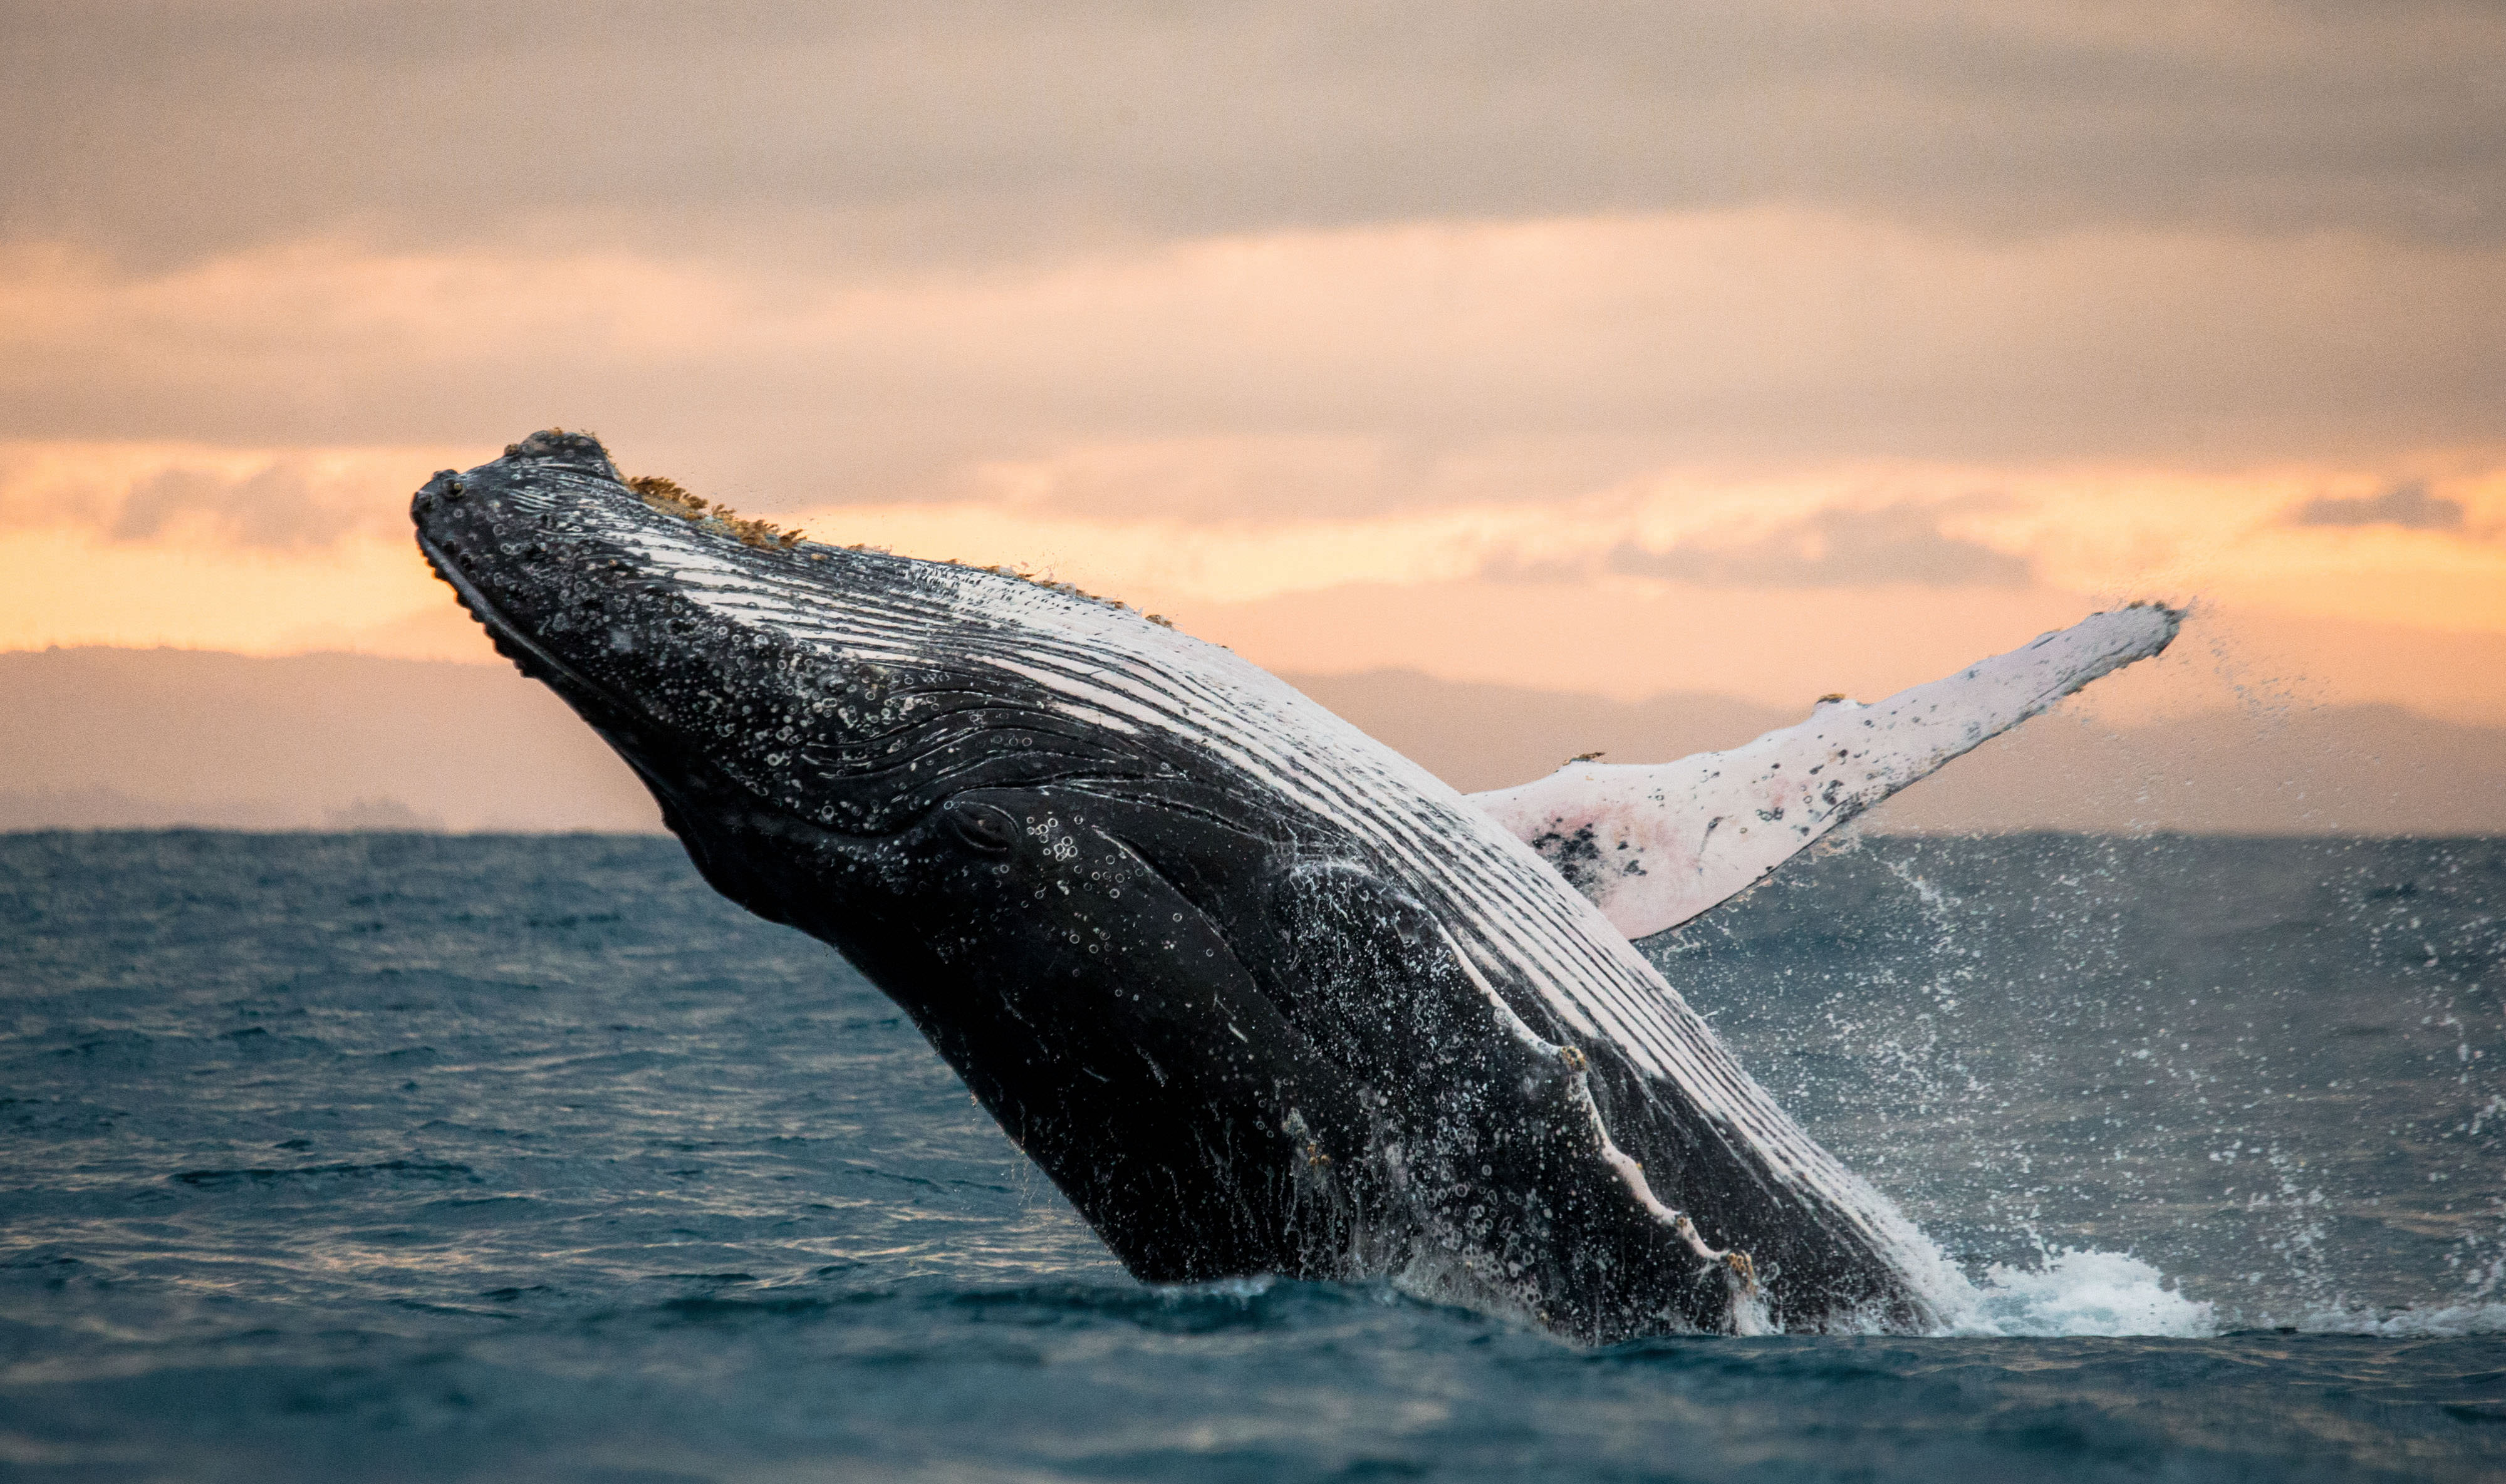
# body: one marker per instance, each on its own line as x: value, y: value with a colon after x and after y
x: 1770, y: 349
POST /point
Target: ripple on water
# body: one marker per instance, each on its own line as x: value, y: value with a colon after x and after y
x: 420, y: 1157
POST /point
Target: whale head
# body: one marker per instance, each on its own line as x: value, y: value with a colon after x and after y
x: 843, y: 688
x: 932, y: 768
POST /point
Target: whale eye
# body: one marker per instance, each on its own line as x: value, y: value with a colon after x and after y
x: 988, y: 828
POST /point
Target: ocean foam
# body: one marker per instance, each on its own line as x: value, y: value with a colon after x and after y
x: 2082, y: 1292
x: 2417, y: 1321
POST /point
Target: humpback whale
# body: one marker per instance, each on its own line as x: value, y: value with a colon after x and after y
x: 1258, y: 994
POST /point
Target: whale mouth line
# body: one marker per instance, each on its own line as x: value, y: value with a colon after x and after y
x: 502, y: 628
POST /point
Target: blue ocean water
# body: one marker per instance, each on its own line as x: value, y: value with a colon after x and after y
x: 405, y: 1157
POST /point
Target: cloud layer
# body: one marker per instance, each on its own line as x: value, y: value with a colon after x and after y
x: 979, y: 131
x: 1779, y: 348
x: 2407, y: 505
x: 1897, y: 544
x: 1365, y: 369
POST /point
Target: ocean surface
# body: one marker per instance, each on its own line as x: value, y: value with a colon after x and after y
x: 422, y: 1158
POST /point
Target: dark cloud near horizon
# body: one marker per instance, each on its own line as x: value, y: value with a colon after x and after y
x: 955, y: 131
x: 277, y: 507
x: 2407, y: 505
x: 1896, y: 545
x: 281, y: 506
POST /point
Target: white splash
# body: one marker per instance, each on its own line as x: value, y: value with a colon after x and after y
x: 2085, y: 1293
x: 2082, y: 1292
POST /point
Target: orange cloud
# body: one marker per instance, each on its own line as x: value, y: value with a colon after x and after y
x: 1383, y: 365
x: 1795, y: 585
x: 1786, y: 416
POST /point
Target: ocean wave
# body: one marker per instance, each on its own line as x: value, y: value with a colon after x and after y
x: 2431, y: 1321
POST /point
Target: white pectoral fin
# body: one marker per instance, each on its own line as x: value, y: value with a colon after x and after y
x: 1655, y: 846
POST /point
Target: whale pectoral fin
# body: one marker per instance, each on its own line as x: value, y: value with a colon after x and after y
x: 1654, y: 846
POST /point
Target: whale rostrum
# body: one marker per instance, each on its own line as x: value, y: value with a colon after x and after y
x: 1257, y: 993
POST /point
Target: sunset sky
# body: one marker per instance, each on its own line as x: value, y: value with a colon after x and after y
x: 1768, y: 349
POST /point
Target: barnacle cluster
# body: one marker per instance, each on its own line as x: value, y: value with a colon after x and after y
x: 1069, y: 590
x: 672, y: 498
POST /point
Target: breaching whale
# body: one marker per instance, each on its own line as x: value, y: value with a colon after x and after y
x: 1258, y: 994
